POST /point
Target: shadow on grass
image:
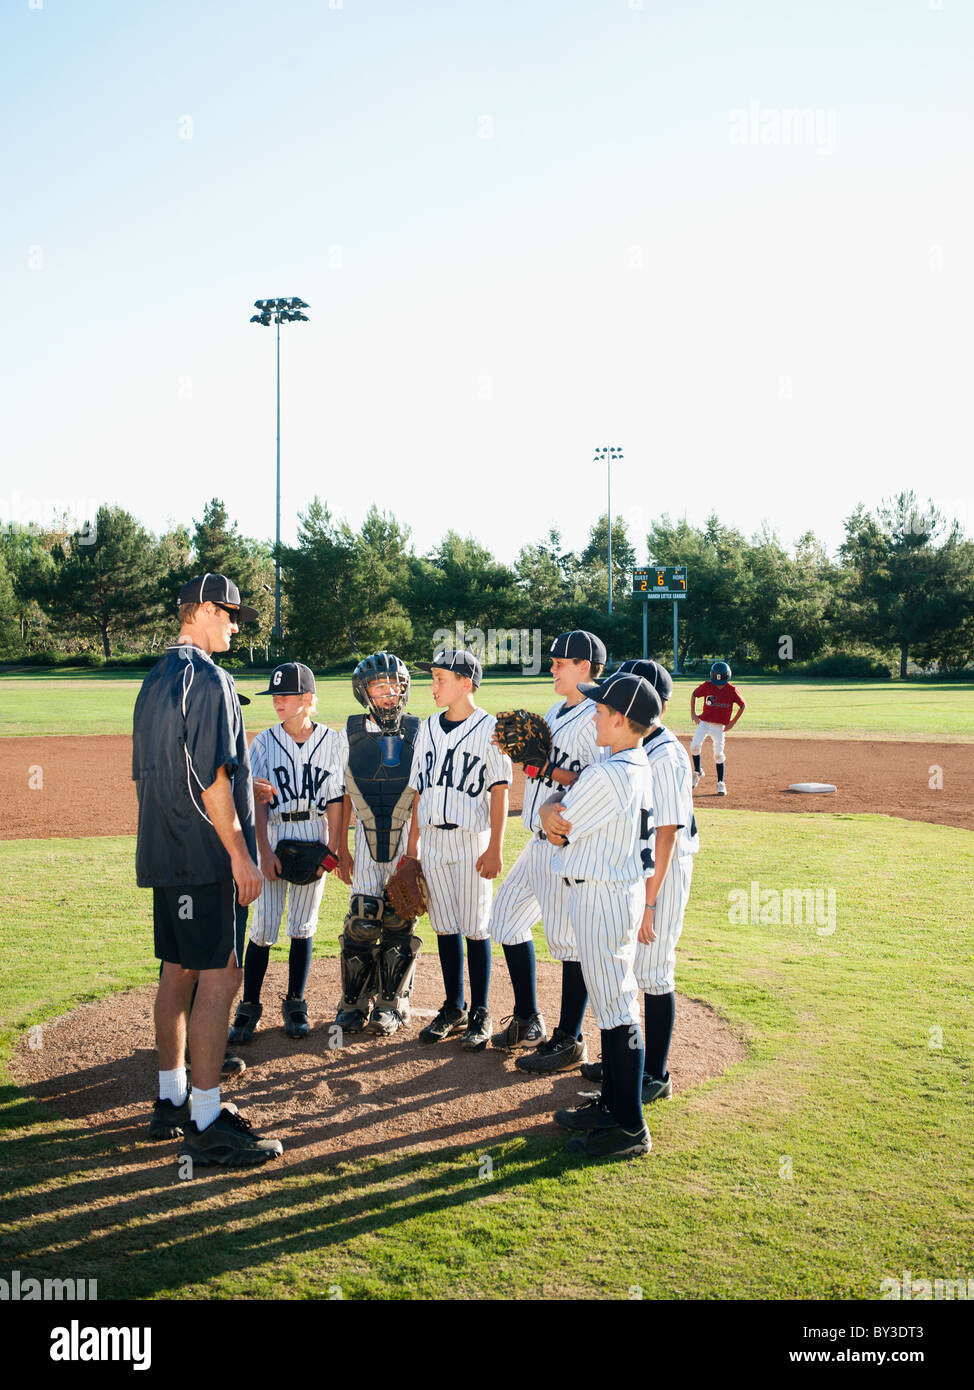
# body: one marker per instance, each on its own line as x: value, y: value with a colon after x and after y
x: 91, y: 1194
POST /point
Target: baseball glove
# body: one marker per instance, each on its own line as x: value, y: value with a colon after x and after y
x: 301, y: 859
x: 524, y: 737
x: 406, y: 889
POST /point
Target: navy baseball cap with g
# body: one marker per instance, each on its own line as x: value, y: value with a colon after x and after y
x: 579, y: 645
x: 460, y: 663
x: 630, y: 695
x: 291, y: 678
x: 217, y: 588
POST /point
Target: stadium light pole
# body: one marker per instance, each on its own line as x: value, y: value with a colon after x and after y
x: 608, y: 452
x: 278, y: 311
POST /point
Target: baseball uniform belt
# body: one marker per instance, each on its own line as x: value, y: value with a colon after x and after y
x: 570, y: 881
x: 447, y: 825
x: 295, y: 815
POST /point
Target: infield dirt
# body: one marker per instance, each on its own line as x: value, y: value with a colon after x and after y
x: 83, y: 786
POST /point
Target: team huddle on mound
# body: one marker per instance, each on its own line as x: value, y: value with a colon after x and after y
x: 607, y: 868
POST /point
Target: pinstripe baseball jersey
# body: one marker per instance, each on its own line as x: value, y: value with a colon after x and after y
x: 305, y: 776
x: 454, y: 768
x: 672, y: 787
x: 573, y: 747
x: 611, y: 824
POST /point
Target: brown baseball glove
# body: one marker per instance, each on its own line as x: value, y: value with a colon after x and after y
x: 406, y: 889
x: 524, y: 737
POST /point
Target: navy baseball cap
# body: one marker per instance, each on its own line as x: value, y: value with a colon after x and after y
x: 217, y: 588
x: 630, y: 695
x: 580, y: 645
x: 292, y: 678
x: 657, y: 675
x: 460, y: 663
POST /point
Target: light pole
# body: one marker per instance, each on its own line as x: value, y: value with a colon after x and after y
x: 608, y: 453
x: 278, y: 311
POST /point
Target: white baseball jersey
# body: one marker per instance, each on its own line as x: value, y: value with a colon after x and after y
x: 573, y: 747
x: 368, y: 876
x: 454, y: 770
x: 672, y: 773
x: 606, y: 809
x: 305, y: 777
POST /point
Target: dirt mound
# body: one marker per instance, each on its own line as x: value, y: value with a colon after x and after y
x: 373, y: 1096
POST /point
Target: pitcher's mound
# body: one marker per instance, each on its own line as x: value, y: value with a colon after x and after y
x: 372, y: 1096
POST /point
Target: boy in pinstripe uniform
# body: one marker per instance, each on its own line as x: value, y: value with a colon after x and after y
x: 461, y: 812
x: 668, y: 888
x: 603, y: 852
x: 301, y: 762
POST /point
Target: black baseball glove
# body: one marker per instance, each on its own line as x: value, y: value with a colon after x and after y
x: 301, y: 859
x: 524, y: 737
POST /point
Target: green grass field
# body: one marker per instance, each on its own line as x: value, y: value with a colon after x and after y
x: 102, y: 703
x: 836, y: 1154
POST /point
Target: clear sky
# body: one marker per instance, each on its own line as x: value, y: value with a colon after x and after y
x: 524, y: 228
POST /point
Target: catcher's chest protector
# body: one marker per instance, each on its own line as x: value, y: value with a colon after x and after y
x: 381, y: 796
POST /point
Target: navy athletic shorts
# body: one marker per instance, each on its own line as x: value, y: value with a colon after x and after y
x: 199, y: 927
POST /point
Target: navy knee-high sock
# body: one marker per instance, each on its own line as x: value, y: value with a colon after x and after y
x: 478, y: 963
x: 660, y: 1016
x: 521, y: 963
x: 450, y: 949
x: 696, y: 761
x: 298, y: 966
x: 255, y: 968
x: 608, y: 1090
x: 574, y: 997
x: 624, y: 1045
x: 720, y: 772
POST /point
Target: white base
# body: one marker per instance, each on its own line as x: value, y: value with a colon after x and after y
x: 811, y: 787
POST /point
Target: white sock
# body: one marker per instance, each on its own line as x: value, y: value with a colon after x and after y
x: 172, y: 1086
x: 204, y: 1106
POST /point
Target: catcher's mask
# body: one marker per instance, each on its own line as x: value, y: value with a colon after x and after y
x: 382, y: 666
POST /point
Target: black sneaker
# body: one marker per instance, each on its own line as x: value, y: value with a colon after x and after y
x: 477, y: 1036
x: 592, y: 1071
x: 520, y: 1032
x: 591, y: 1114
x: 654, y: 1089
x: 229, y: 1140
x: 447, y: 1021
x: 561, y: 1052
x: 612, y: 1143
x: 295, y: 1013
x: 232, y: 1065
x: 168, y: 1120
x: 245, y: 1023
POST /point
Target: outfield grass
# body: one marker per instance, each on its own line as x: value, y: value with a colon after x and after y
x: 836, y: 1154
x: 102, y: 703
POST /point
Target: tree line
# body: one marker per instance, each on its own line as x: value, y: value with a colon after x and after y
x: 900, y: 588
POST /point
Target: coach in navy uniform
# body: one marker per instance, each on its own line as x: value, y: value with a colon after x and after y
x: 197, y: 852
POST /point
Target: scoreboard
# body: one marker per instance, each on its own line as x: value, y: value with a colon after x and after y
x: 660, y: 582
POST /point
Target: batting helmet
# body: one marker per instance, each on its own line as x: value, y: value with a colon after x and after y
x: 382, y: 666
x: 720, y: 673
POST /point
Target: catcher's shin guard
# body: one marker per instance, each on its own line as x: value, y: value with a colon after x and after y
x: 359, y: 982
x: 398, y: 955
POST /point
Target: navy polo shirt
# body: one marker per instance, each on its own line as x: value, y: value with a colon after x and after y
x: 187, y: 725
